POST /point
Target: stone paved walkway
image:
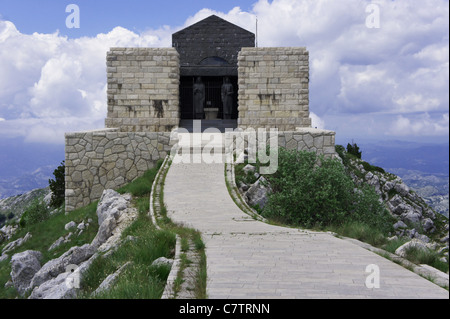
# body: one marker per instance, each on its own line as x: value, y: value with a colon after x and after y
x: 251, y: 259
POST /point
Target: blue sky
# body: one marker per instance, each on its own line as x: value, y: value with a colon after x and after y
x: 388, y: 82
x: 101, y: 16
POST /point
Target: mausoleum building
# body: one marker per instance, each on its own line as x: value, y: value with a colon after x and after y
x: 214, y: 73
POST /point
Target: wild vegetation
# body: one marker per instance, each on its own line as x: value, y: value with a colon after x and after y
x: 143, y: 244
x: 312, y: 192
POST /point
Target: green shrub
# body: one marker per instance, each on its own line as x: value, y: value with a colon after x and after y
x: 340, y: 150
x: 372, y: 168
x: 35, y: 213
x: 354, y: 150
x: 57, y: 186
x: 311, y: 191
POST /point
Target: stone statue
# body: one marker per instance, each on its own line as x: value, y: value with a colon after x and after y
x: 227, y: 98
x: 199, y: 98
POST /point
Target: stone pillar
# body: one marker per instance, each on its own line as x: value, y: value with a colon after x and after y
x: 274, y: 88
x: 143, y: 89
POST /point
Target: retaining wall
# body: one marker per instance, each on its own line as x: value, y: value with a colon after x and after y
x: 108, y: 159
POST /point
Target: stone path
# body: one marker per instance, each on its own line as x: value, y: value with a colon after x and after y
x: 251, y: 259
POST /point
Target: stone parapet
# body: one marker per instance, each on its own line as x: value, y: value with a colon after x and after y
x: 273, y: 88
x: 143, y: 89
x: 108, y: 159
x: 321, y: 142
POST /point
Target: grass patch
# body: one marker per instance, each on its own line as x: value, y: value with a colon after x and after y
x: 428, y: 257
x: 142, y: 185
x: 44, y: 234
x: 361, y: 232
x: 140, y: 280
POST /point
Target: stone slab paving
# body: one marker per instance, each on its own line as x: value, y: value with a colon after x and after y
x: 249, y: 259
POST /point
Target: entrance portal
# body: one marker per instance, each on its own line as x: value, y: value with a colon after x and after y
x: 213, y: 108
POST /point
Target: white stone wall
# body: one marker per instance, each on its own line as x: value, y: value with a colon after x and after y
x: 273, y: 88
x: 108, y: 159
x: 143, y: 89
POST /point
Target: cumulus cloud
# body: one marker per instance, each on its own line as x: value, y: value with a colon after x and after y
x: 424, y: 124
x: 394, y: 77
x: 316, y: 121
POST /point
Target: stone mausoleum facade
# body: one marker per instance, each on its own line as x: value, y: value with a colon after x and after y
x: 152, y: 93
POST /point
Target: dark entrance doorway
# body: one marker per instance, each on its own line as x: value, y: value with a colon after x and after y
x: 213, y: 99
x: 213, y: 107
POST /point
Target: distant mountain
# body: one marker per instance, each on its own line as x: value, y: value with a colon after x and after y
x: 426, y: 158
x: 26, y: 182
x: 26, y: 166
x: 18, y: 157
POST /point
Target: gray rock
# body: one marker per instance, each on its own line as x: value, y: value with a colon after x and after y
x: 400, y: 224
x: 111, y: 204
x: 162, y: 261
x: 111, y: 279
x: 70, y: 225
x: 258, y: 192
x: 64, y: 286
x: 396, y: 200
x: 81, y: 226
x: 17, y: 243
x: 428, y: 225
x: 24, y: 266
x: 249, y: 169
x: 105, y: 231
x: 74, y: 256
x: 3, y: 257
x: 57, y: 243
x: 411, y: 233
x: 8, y: 231
x: 243, y: 187
x: 422, y: 238
x: 402, y: 250
x: 411, y: 217
x: 402, y: 209
x: 392, y: 238
x: 402, y: 189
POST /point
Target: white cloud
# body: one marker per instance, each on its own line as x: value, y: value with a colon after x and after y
x: 393, y: 74
x: 316, y: 121
x: 423, y: 125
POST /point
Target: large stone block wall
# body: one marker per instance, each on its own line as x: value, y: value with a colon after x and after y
x: 143, y: 89
x: 274, y: 88
x: 108, y: 159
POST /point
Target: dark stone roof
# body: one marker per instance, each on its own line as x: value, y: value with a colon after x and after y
x: 211, y: 47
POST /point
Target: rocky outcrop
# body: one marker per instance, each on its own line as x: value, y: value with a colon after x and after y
x: 416, y: 221
x: 17, y: 243
x: 24, y: 266
x: 111, y: 279
x: 59, y: 278
x: 257, y: 194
